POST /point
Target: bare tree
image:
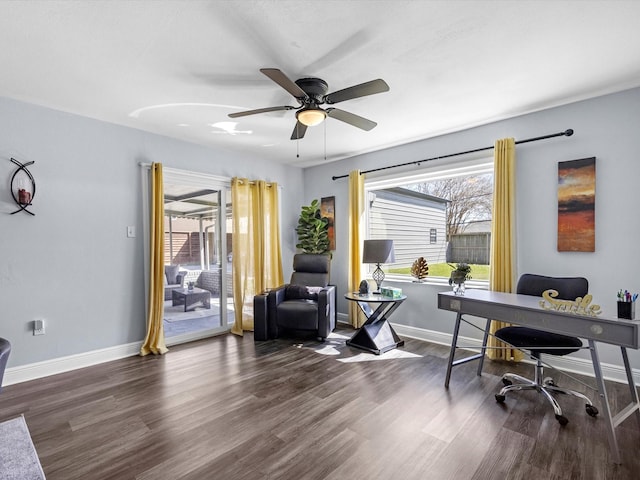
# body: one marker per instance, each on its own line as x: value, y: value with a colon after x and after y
x: 470, y: 199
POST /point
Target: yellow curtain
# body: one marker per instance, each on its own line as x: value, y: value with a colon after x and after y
x: 356, y: 210
x: 154, y: 342
x: 257, y: 262
x: 503, y: 237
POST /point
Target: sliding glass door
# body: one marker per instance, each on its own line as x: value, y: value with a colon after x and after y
x: 198, y: 299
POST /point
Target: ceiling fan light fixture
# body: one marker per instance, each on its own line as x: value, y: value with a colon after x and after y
x: 311, y: 116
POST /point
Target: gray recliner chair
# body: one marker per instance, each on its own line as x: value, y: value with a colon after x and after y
x: 5, y: 350
x: 307, y: 303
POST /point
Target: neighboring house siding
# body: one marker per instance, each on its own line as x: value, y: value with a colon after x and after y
x: 407, y: 219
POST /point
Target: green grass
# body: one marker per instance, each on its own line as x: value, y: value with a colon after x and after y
x: 478, y: 272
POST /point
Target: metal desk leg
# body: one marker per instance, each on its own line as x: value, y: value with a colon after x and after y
x: 604, y: 400
x: 454, y: 342
x: 483, y: 352
x: 630, y: 381
x: 454, y: 345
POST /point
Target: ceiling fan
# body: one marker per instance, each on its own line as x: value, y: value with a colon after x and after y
x: 310, y: 94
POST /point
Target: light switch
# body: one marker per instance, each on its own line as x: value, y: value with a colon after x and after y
x: 38, y: 327
x: 131, y: 231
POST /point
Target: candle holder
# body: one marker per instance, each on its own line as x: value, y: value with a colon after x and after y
x: 23, y: 186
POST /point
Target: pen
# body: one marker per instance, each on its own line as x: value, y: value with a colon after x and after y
x: 626, y: 296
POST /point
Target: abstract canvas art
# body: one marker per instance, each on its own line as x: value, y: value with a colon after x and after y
x: 576, y: 205
x: 328, y: 211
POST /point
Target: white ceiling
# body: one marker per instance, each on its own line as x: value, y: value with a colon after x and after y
x: 178, y: 68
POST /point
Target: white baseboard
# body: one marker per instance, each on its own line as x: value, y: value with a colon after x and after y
x: 575, y: 365
x: 45, y: 368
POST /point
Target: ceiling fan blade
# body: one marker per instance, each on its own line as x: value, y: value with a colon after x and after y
x: 298, y: 131
x: 285, y: 82
x: 351, y: 118
x: 260, y: 110
x: 362, y: 90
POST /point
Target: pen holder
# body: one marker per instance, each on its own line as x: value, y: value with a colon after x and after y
x: 627, y: 310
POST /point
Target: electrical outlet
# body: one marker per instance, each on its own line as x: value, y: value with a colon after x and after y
x: 38, y: 327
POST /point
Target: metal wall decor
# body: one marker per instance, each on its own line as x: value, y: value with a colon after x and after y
x: 23, y: 186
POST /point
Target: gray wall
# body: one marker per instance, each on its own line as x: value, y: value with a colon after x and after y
x: 605, y: 127
x: 72, y: 264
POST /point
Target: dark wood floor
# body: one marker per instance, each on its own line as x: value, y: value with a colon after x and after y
x: 226, y: 408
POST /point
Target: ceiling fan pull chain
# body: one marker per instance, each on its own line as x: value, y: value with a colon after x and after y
x: 325, y: 141
x: 297, y: 140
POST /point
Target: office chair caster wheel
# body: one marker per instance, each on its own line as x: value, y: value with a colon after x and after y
x: 499, y: 398
x: 550, y: 382
x: 562, y: 420
x: 506, y: 382
x: 591, y: 410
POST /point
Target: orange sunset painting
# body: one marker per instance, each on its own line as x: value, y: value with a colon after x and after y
x: 576, y: 205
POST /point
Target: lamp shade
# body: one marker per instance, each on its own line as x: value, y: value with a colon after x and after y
x: 378, y: 251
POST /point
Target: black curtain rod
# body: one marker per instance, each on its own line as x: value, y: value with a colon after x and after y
x: 566, y: 133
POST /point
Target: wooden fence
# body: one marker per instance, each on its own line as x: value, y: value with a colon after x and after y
x: 469, y: 248
x: 186, y: 248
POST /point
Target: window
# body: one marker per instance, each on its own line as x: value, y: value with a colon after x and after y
x: 441, y: 213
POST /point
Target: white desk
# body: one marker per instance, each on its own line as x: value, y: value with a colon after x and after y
x: 526, y: 310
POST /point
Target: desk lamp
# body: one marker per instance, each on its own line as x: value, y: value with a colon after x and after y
x: 378, y: 251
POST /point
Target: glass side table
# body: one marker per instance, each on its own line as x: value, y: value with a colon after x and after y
x: 376, y: 335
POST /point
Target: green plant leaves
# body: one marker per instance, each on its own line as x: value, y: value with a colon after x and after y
x: 460, y: 273
x: 312, y: 229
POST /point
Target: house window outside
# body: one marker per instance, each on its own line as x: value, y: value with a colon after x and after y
x: 441, y: 213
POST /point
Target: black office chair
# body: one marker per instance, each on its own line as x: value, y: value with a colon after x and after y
x: 538, y: 342
x: 5, y: 350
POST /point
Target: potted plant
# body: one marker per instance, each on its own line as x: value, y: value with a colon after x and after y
x: 459, y: 275
x: 313, y: 230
